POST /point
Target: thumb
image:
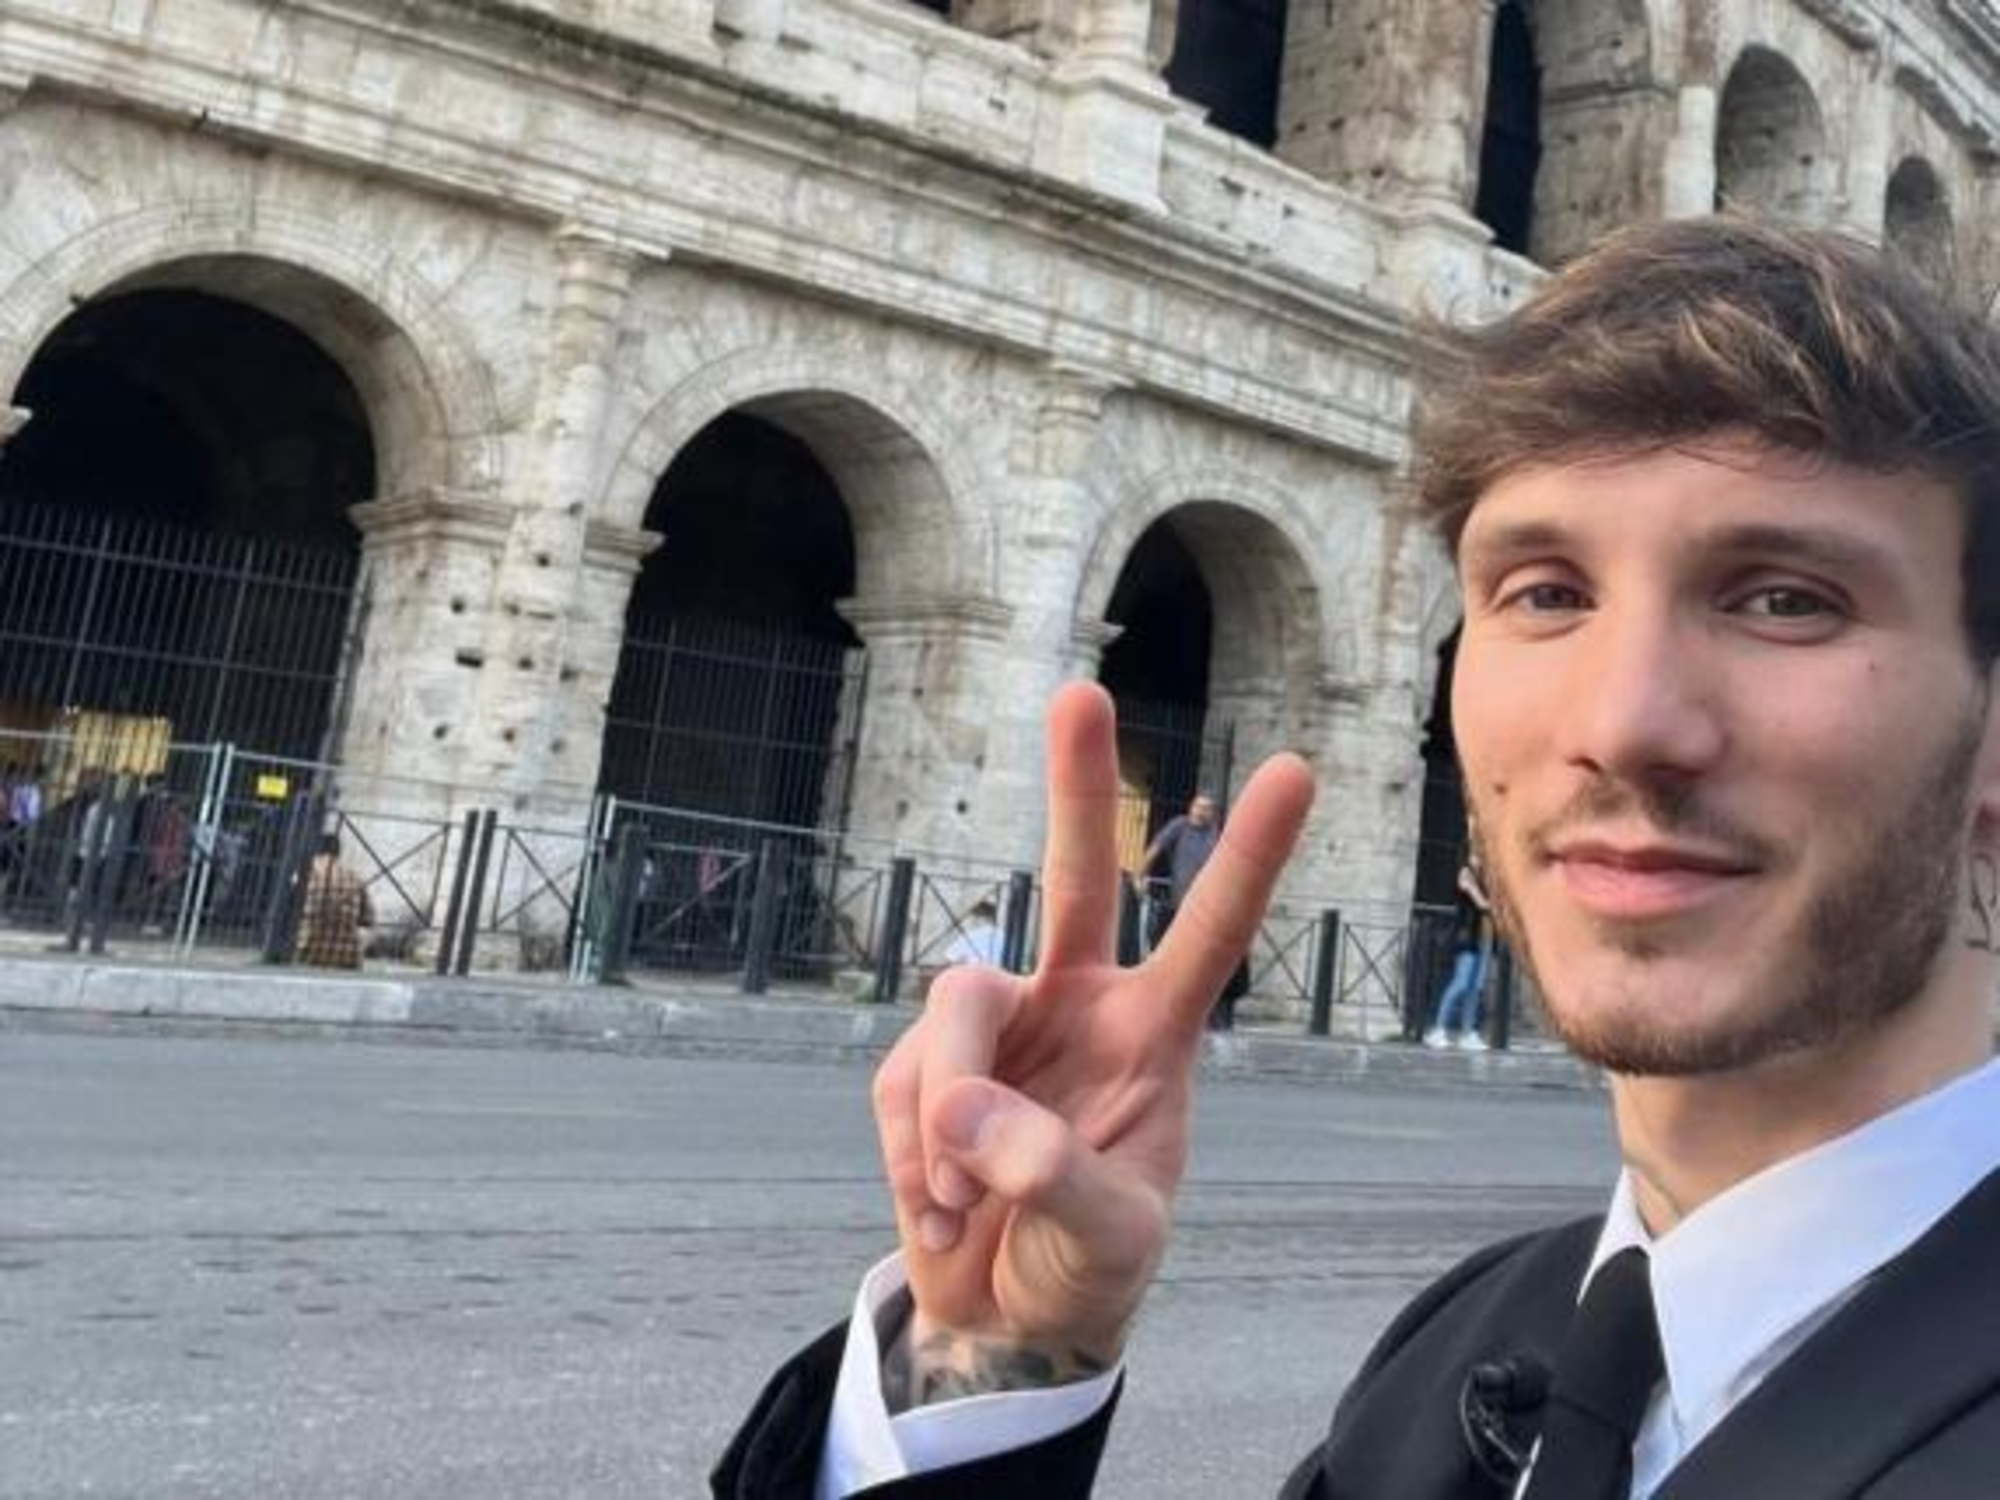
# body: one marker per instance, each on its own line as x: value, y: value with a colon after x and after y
x: 1031, y: 1158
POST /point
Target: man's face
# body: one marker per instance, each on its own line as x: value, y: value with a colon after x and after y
x: 1723, y: 744
x: 1201, y: 812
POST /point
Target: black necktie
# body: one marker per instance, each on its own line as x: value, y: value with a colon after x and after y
x: 1610, y: 1362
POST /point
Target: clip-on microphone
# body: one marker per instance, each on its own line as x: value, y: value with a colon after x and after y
x: 1495, y: 1390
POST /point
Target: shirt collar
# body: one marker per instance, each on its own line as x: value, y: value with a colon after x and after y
x: 1734, y: 1277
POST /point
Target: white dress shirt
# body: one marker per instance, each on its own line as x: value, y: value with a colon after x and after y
x: 1738, y: 1286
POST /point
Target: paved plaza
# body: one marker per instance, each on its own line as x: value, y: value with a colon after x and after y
x: 314, y: 1269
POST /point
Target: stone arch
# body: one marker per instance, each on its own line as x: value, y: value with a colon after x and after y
x: 1771, y: 150
x: 1602, y: 109
x: 1227, y: 508
x: 907, y: 491
x: 1220, y: 656
x: 429, y: 398
x: 1917, y: 218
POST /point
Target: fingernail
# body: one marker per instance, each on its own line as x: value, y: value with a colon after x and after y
x: 964, y: 1121
x: 938, y: 1231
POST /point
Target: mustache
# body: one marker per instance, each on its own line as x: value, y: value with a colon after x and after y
x: 1673, y: 810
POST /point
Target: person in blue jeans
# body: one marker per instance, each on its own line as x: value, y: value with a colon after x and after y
x: 1456, y: 1022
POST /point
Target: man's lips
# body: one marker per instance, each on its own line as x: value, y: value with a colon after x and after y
x: 1639, y: 881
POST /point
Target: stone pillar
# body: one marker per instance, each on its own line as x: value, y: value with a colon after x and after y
x: 1688, y: 189
x: 529, y: 695
x: 1141, y: 30
x: 1051, y: 520
x: 428, y: 563
x: 1361, y: 848
x: 1387, y: 97
x: 1870, y: 139
x: 934, y: 662
x: 1105, y: 129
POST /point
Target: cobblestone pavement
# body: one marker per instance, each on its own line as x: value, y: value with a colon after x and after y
x: 311, y: 1268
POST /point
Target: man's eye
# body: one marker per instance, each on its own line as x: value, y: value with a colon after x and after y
x: 1546, y: 598
x: 1786, y: 604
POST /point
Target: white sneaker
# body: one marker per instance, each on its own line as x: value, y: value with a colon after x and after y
x: 1437, y: 1037
x: 1472, y: 1041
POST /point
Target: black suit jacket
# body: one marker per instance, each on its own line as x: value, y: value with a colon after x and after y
x: 1896, y: 1397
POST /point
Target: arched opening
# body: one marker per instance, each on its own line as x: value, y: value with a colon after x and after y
x: 737, y: 670
x: 1442, y: 839
x: 1157, y: 671
x: 1770, y: 142
x: 1218, y: 650
x: 1228, y: 56
x: 1916, y: 220
x: 176, y: 562
x: 1510, y: 146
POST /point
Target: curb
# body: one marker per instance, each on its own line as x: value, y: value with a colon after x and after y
x: 692, y: 1022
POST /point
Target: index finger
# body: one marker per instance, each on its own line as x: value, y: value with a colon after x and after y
x: 1217, y: 923
x: 1080, y: 860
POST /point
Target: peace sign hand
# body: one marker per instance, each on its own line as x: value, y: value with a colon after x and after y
x: 1035, y: 1129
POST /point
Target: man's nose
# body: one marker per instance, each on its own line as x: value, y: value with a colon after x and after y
x: 1644, y: 696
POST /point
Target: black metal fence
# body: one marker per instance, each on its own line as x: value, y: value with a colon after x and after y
x: 147, y: 634
x: 737, y: 721
x: 209, y: 849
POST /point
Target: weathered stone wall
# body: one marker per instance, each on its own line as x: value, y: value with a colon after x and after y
x: 1018, y: 301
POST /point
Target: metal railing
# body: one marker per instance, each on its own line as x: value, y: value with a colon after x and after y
x: 155, y: 632
x: 207, y: 849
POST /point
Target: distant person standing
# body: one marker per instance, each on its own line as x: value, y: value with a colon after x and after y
x: 1173, y: 860
x: 1456, y: 1023
x: 979, y: 939
x: 1175, y: 857
x: 333, y: 912
x: 24, y: 799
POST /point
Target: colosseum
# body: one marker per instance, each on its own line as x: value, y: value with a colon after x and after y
x: 756, y: 408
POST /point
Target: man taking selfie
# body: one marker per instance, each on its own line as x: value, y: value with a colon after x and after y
x: 1724, y: 502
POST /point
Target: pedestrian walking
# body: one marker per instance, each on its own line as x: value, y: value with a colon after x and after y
x: 1456, y: 1020
x: 1174, y: 861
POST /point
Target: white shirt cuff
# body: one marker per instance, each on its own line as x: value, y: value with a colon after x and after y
x: 865, y: 1445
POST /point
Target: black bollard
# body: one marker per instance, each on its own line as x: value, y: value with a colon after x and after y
x: 895, y: 925
x: 1014, y: 940
x: 763, y: 918
x: 1326, y: 974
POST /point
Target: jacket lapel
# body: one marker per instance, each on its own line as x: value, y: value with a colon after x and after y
x: 1916, y: 1345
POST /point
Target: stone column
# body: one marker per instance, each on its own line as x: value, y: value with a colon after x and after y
x: 529, y: 696
x: 1387, y: 97
x: 1132, y: 30
x: 1051, y: 520
x: 934, y: 663
x: 1105, y: 129
x: 429, y: 559
x: 1689, y: 186
x: 1870, y: 134
x: 1362, y: 846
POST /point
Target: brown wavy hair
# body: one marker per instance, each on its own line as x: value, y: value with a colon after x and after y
x: 1805, y: 339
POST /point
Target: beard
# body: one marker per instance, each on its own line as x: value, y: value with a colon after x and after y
x: 1869, y: 941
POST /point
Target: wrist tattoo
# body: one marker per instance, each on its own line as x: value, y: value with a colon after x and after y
x: 918, y: 1370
